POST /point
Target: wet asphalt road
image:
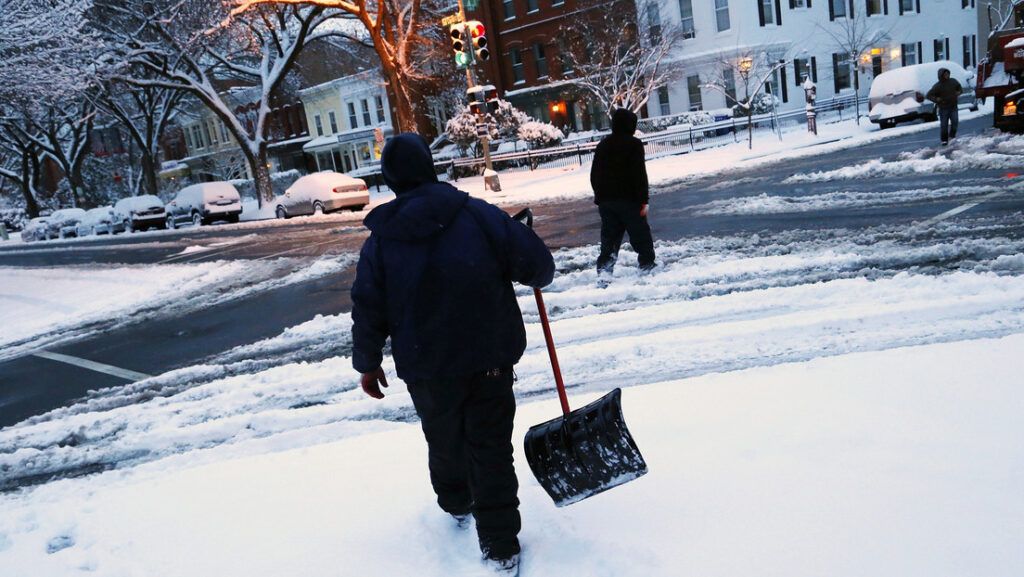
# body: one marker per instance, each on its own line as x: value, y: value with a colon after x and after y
x: 31, y: 385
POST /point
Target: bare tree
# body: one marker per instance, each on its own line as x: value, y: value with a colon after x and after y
x: 754, y: 67
x: 854, y: 37
x: 399, y: 31
x: 144, y: 113
x: 202, y: 48
x: 20, y: 163
x: 622, y: 64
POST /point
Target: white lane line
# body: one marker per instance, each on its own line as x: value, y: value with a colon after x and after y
x: 92, y: 366
x: 960, y: 209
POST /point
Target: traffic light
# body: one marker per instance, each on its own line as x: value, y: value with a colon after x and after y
x: 457, y: 32
x: 491, y: 95
x: 478, y: 35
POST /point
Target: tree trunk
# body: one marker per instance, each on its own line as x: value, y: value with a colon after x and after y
x: 750, y: 127
x: 856, y: 92
x: 260, y: 175
x: 31, y: 205
x: 401, y: 103
x: 148, y: 166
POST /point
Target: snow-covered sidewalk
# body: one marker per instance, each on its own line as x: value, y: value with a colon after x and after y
x: 894, y: 463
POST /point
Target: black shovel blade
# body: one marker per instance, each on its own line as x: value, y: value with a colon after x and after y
x: 585, y: 452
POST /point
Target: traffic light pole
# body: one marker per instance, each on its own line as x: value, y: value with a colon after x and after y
x: 485, y: 142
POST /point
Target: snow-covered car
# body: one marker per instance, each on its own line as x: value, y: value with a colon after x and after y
x: 899, y: 95
x: 321, y: 193
x: 204, y: 203
x: 97, y: 221
x: 63, y: 223
x: 139, y: 213
x: 35, y: 229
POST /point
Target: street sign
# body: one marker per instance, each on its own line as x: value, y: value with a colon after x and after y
x: 453, y: 19
x: 481, y: 130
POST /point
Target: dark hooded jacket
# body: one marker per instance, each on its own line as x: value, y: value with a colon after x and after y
x: 436, y: 276
x: 618, y: 172
x: 946, y: 91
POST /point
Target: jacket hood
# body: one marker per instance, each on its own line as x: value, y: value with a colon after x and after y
x: 407, y: 163
x: 943, y: 72
x: 417, y: 214
x: 623, y: 122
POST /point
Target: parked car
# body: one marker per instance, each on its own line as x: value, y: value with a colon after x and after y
x: 899, y: 95
x: 321, y: 193
x: 204, y: 203
x: 35, y: 229
x: 139, y: 213
x: 97, y: 221
x: 63, y: 223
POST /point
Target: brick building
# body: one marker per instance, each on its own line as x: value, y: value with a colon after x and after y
x: 529, y: 40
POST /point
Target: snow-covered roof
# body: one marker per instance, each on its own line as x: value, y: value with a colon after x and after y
x: 541, y: 88
x: 357, y: 78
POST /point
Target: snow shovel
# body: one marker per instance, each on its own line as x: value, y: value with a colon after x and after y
x: 586, y: 451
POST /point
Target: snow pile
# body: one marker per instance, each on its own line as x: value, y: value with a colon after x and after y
x: 985, y: 152
x: 37, y: 301
x: 770, y: 204
x: 909, y: 454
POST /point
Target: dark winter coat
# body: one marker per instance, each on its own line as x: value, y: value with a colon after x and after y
x: 945, y: 92
x: 619, y: 171
x: 436, y: 276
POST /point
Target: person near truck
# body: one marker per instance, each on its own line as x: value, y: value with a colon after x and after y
x: 435, y: 275
x: 946, y: 94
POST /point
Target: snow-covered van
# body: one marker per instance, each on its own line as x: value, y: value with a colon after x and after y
x: 899, y: 95
x: 204, y: 203
x: 139, y: 213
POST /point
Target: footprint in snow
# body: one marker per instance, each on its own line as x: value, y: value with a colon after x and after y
x: 59, y: 543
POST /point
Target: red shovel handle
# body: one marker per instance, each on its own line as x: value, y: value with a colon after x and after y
x: 551, y: 350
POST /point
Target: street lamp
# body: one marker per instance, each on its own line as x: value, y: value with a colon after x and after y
x: 746, y: 65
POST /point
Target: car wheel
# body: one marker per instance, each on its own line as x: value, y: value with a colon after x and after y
x: 129, y: 227
x: 232, y: 218
x: 281, y: 213
x: 170, y: 223
x: 974, y: 108
x: 318, y: 208
x: 358, y: 207
x: 197, y: 219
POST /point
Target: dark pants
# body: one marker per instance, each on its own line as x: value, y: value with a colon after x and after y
x: 618, y: 218
x: 468, y: 426
x: 949, y: 119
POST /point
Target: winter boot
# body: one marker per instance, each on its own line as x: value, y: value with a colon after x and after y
x: 507, y: 567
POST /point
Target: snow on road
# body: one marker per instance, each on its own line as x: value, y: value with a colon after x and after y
x: 893, y: 463
x: 715, y: 304
x: 991, y: 151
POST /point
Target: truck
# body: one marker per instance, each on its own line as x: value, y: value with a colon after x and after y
x: 1001, y: 72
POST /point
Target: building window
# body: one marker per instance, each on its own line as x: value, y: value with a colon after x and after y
x: 542, y: 62
x: 841, y: 72
x: 197, y: 136
x: 334, y: 122
x: 801, y: 70
x: 353, y: 120
x: 319, y: 125
x: 664, y: 106
x: 729, y: 83
x: 224, y: 132
x: 939, y: 50
x: 211, y: 131
x: 532, y: 6
x: 380, y: 108
x: 510, y: 9
x: 906, y: 6
x: 798, y: 3
x: 366, y: 112
x: 188, y: 140
x: 693, y: 91
x: 837, y: 9
x: 969, y: 57
x: 516, y: 56
x: 910, y: 55
x: 722, y: 15
x: 875, y: 7
x: 686, y: 19
x: 767, y: 12
x: 654, y: 23
x: 563, y: 50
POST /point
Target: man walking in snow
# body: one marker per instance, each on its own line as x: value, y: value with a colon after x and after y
x: 619, y: 179
x: 436, y: 277
x: 945, y: 94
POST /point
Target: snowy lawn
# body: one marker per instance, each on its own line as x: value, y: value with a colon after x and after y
x: 894, y: 463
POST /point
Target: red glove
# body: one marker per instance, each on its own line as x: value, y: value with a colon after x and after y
x: 372, y: 382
